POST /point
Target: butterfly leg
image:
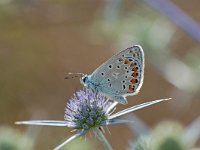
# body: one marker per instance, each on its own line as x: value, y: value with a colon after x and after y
x: 120, y: 99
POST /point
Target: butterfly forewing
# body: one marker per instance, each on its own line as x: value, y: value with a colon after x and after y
x: 122, y: 74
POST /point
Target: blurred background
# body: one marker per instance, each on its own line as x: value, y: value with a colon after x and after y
x: 42, y: 40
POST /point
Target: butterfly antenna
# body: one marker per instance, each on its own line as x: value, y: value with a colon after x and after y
x: 74, y: 75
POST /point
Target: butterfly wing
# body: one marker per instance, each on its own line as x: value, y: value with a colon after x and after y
x: 122, y: 74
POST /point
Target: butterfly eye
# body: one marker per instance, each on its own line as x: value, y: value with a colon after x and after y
x: 84, y: 79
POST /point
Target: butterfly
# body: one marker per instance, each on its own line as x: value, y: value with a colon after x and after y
x: 120, y: 76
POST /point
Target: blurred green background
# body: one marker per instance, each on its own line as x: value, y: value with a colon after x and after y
x: 42, y: 40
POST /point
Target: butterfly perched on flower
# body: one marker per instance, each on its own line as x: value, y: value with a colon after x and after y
x: 120, y: 76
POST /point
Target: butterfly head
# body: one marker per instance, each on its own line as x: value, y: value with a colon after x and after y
x: 84, y: 79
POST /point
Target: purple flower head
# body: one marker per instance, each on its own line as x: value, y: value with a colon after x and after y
x: 87, y: 110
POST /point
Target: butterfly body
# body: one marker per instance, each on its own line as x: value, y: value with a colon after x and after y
x: 120, y: 76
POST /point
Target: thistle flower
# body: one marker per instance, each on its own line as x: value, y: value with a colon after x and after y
x: 12, y: 139
x: 166, y: 136
x: 87, y: 111
x: 169, y: 135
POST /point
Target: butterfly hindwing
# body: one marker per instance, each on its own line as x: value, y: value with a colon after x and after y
x: 122, y: 74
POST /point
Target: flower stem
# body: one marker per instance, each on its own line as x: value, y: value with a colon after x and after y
x: 103, y: 139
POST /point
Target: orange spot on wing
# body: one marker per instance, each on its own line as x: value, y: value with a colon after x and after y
x: 131, y: 88
x: 126, y: 61
x: 134, y: 81
x: 134, y: 69
x: 135, y: 74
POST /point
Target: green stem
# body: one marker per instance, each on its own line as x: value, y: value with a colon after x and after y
x: 103, y: 139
